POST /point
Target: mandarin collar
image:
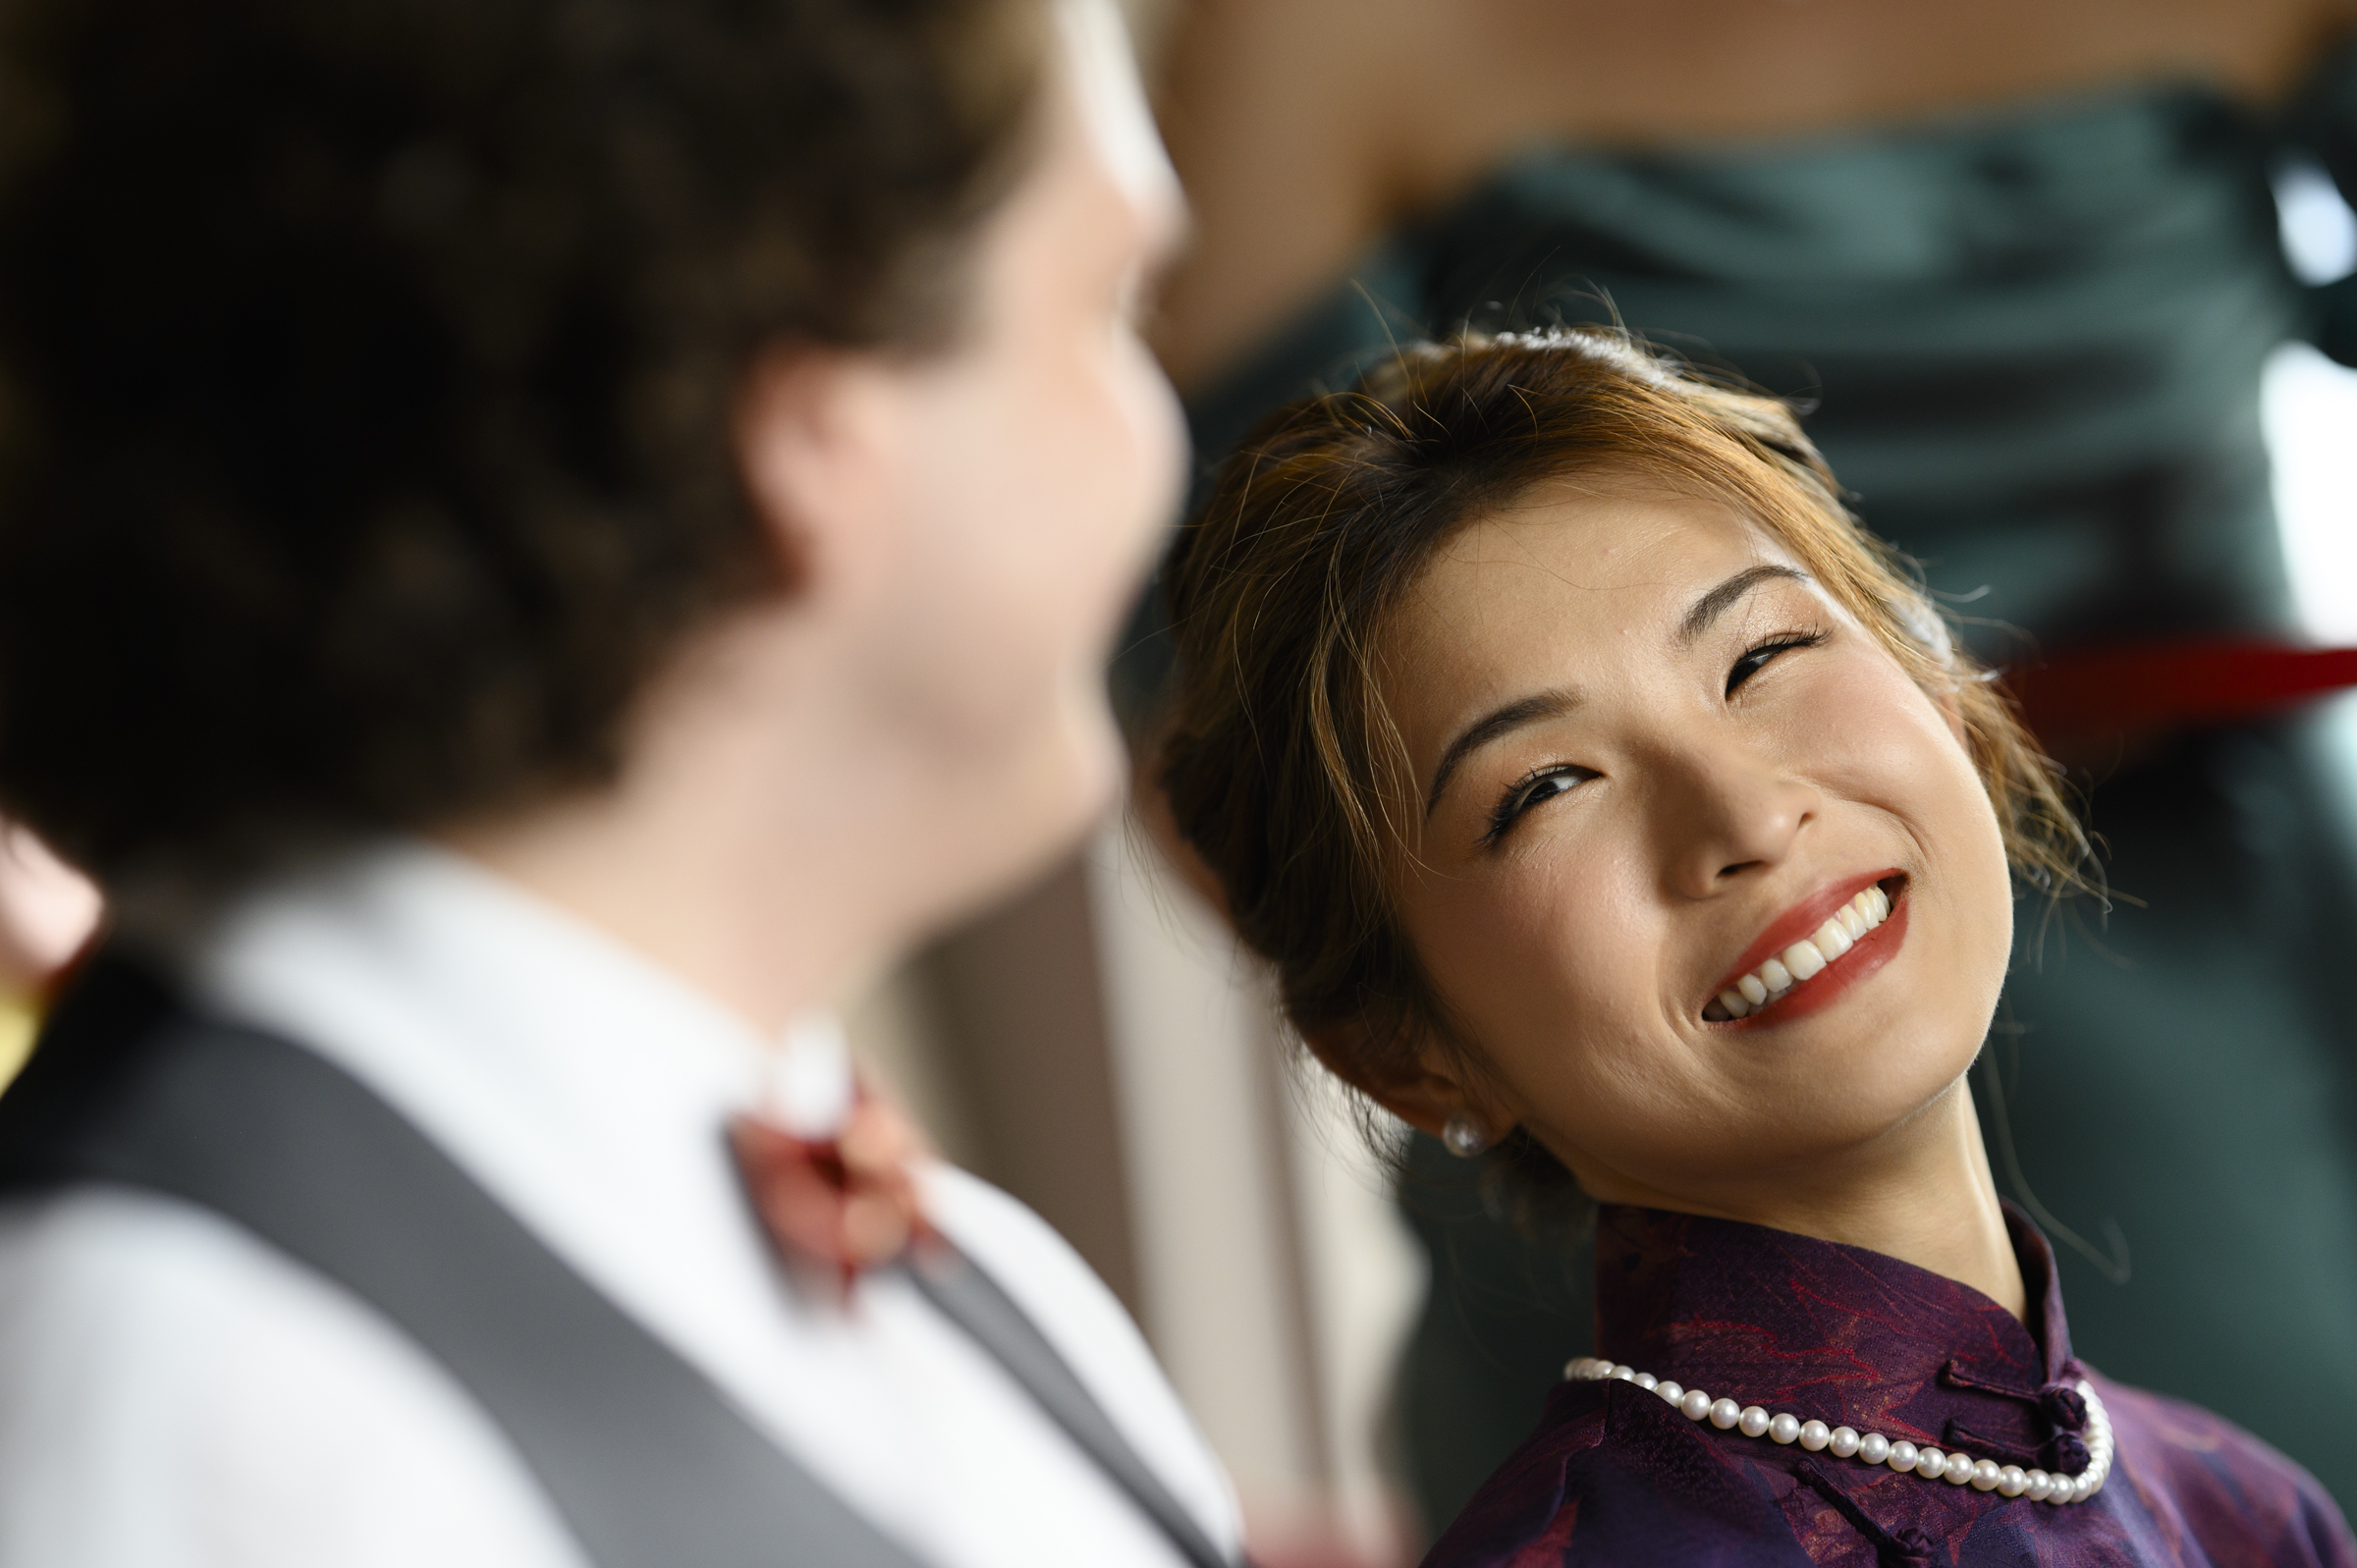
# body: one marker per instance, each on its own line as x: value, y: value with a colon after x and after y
x: 1838, y: 1333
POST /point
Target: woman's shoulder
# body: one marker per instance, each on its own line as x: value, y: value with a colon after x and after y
x: 1614, y: 1476
x: 2203, y: 1476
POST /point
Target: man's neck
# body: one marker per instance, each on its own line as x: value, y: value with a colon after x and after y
x: 719, y: 852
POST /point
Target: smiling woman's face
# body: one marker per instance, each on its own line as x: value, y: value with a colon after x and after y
x: 1651, y: 756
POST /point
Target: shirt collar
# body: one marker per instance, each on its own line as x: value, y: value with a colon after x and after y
x: 1831, y: 1332
x: 579, y: 1081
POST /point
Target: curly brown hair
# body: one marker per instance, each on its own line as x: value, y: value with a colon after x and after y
x: 366, y: 370
x: 1281, y: 764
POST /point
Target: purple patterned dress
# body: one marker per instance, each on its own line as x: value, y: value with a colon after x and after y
x: 1615, y: 1475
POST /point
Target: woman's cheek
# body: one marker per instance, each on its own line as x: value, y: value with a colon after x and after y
x: 1529, y: 963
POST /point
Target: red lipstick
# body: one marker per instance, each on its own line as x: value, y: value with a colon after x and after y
x: 1867, y: 955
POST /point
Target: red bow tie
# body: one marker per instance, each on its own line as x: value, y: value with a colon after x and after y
x: 848, y: 1200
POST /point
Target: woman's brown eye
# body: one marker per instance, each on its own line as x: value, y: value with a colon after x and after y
x: 1756, y: 659
x: 1554, y: 783
x: 1531, y: 791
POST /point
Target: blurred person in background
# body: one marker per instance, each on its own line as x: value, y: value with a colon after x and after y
x: 2020, y: 265
x: 47, y: 911
x: 544, y: 540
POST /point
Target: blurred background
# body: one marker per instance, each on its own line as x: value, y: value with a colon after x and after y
x: 1100, y: 1048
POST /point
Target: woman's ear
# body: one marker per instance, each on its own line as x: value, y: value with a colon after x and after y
x: 1426, y: 1095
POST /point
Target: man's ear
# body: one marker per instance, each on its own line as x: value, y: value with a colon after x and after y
x: 1425, y: 1096
x: 813, y: 429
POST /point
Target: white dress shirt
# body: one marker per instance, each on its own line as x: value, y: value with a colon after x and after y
x: 174, y: 1393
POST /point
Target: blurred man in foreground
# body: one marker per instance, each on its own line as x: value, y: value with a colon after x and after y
x: 542, y: 541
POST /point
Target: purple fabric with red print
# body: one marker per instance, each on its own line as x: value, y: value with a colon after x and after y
x: 1851, y: 1338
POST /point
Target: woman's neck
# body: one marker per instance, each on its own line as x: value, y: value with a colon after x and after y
x: 1923, y: 1195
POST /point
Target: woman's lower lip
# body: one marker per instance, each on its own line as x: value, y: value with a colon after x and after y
x: 1866, y: 955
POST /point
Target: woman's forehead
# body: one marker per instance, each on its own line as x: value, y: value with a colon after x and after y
x: 1565, y: 596
x: 1595, y: 561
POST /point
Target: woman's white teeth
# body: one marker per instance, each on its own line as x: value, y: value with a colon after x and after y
x: 1831, y: 940
x: 1805, y: 960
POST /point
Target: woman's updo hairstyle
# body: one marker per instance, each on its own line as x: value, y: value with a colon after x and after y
x: 1284, y: 770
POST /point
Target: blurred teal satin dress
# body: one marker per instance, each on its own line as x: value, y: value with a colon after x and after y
x: 2030, y: 340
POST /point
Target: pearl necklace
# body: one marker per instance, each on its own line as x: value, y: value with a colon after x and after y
x: 1873, y: 1448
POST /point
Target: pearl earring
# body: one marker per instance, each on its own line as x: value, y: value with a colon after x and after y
x: 1464, y: 1136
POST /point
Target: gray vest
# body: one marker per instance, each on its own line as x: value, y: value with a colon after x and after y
x: 648, y: 1463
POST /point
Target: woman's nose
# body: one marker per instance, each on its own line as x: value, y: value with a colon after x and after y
x: 1724, y: 815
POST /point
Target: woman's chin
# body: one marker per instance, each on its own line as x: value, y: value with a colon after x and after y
x: 1851, y: 1074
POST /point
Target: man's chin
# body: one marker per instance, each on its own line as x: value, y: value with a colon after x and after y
x: 1040, y: 817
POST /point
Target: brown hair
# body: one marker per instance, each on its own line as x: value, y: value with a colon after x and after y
x: 366, y: 369
x: 1281, y: 765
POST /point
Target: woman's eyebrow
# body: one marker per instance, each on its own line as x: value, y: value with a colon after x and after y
x: 1493, y: 724
x: 1710, y: 606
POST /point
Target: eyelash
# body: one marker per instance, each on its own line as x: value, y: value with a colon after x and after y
x: 1758, y: 657
x: 1519, y: 798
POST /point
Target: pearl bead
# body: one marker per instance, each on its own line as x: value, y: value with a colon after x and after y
x: 1625, y: 1373
x: 1903, y: 1455
x: 2037, y: 1486
x: 1725, y: 1412
x: 1814, y: 1436
x: 1874, y: 1448
x: 1646, y: 1380
x: 2011, y: 1482
x: 1929, y: 1463
x: 1783, y: 1429
x: 1986, y: 1475
x: 1753, y: 1421
x: 1695, y: 1405
x: 1962, y: 1467
x: 1844, y: 1443
x: 1673, y: 1393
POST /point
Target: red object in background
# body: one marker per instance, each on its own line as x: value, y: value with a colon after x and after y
x: 2126, y: 692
